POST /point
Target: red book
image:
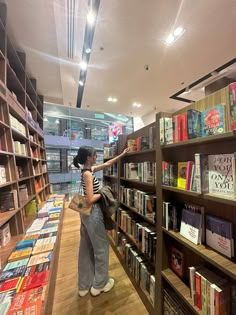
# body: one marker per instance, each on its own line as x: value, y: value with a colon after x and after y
x: 198, y: 290
x: 11, y: 284
x: 34, y: 281
x: 28, y: 302
x: 184, y: 126
x: 188, y: 174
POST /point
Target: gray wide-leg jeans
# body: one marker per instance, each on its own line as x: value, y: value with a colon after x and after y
x: 93, y: 251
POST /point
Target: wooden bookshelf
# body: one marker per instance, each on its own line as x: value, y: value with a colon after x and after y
x: 137, y: 182
x: 138, y: 213
x: 181, y: 288
x: 21, y: 118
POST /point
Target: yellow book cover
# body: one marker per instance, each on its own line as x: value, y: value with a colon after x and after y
x: 20, y: 254
x: 42, y: 248
x: 182, y: 172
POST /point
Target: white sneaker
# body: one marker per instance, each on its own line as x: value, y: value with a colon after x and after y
x: 108, y: 287
x: 83, y: 292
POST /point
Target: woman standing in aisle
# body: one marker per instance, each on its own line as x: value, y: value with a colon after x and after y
x: 94, y: 243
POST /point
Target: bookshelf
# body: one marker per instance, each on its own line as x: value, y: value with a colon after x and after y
x: 22, y: 149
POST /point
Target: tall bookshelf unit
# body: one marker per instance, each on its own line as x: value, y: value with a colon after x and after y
x: 21, y: 126
x: 216, y: 205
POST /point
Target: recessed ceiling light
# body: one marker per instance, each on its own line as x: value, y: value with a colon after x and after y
x: 81, y: 83
x: 91, y: 18
x: 114, y: 100
x: 83, y: 65
x: 88, y: 51
x: 178, y: 31
x: 170, y: 39
x: 138, y: 105
x: 110, y: 99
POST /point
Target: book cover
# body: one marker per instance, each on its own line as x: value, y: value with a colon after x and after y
x: 3, y: 177
x: 25, y: 244
x: 6, y: 296
x: 28, y: 302
x: 33, y: 281
x: 177, y: 261
x: 232, y: 105
x: 213, y: 120
x: 220, y: 172
x: 11, y: 284
x: 43, y: 248
x: 182, y: 173
x: 190, y: 165
x: 20, y: 254
x: 16, y: 264
x: 40, y: 258
x: 49, y: 230
x: 37, y: 268
x: 168, y: 134
x: 219, y: 235
x: 13, y: 273
x: 190, y: 226
x: 46, y: 235
x: 194, y: 123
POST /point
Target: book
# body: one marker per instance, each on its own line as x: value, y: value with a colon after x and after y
x: 40, y: 258
x: 232, y: 105
x: 3, y: 178
x: 31, y: 208
x: 28, y: 302
x: 182, y: 173
x: 220, y: 172
x: 16, y: 264
x: 42, y: 248
x: 33, y: 281
x: 11, y: 284
x: 37, y: 268
x: 191, y: 224
x: 5, y: 301
x: 12, y: 273
x: 20, y: 254
x: 219, y: 235
x: 5, y: 235
x: 213, y: 120
x: 177, y: 260
x: 8, y: 200
x: 194, y: 123
x: 25, y: 243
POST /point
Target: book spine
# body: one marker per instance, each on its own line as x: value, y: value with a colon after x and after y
x: 192, y: 271
x: 198, y: 290
x: 188, y: 175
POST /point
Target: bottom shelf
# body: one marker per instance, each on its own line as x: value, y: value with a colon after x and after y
x: 182, y: 289
x: 6, y: 250
x: 141, y: 294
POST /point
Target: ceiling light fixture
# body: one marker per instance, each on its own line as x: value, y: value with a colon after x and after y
x: 136, y: 104
x: 81, y: 83
x: 88, y: 51
x: 109, y: 99
x: 91, y: 18
x: 112, y: 99
x: 175, y: 35
x: 83, y: 65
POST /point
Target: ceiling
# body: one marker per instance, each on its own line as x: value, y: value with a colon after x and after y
x: 129, y: 35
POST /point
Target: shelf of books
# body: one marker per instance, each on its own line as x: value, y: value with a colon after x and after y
x: 196, y: 228
x: 24, y: 181
x: 134, y: 236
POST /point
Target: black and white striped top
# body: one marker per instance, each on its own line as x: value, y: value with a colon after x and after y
x: 96, y: 184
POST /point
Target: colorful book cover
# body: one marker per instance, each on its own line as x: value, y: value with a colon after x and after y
x: 28, y: 302
x: 16, y: 264
x: 25, y: 244
x: 182, y: 173
x: 168, y: 137
x: 213, y: 120
x: 33, y: 281
x: 46, y: 240
x: 219, y: 235
x: 13, y: 273
x: 232, y: 105
x: 31, y: 236
x: 40, y: 258
x: 221, y: 177
x: 49, y: 230
x: 46, y: 235
x: 191, y: 224
x: 190, y: 165
x: 194, y: 123
x: 20, y: 254
x: 177, y: 261
x: 11, y: 284
x: 5, y: 301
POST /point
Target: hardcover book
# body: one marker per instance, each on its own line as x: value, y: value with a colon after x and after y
x: 232, y: 104
x: 177, y: 260
x: 182, y: 173
x: 213, y: 120
x: 221, y: 177
x: 190, y: 227
x: 219, y: 235
x: 9, y: 285
x: 194, y: 123
x: 33, y: 281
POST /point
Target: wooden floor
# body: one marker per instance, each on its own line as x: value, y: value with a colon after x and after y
x: 122, y: 299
